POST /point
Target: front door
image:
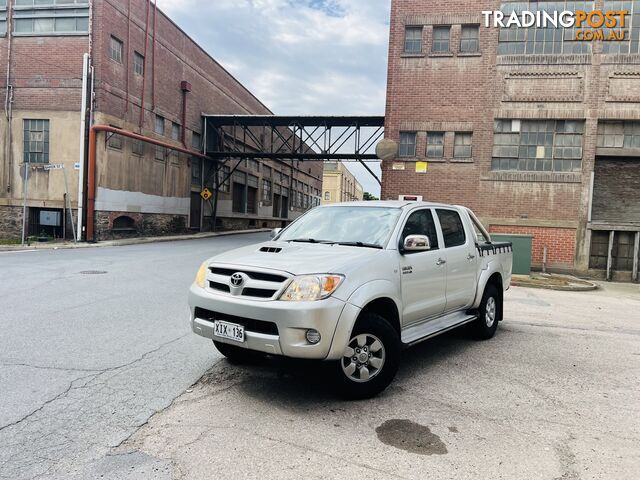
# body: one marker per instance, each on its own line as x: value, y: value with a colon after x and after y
x: 461, y: 257
x: 195, y: 214
x: 423, y: 274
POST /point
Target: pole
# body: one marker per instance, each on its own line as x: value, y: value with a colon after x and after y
x: 68, y: 201
x: 24, y: 200
x: 216, y: 193
x: 83, y: 130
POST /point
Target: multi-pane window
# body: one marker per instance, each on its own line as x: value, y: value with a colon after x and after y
x: 137, y: 147
x: 223, y: 178
x: 138, y: 63
x: 619, y: 134
x: 413, y: 40
x: 407, y: 144
x: 158, y: 125
x: 266, y: 191
x: 115, y: 49
x: 3, y: 17
x: 253, y: 165
x: 538, y: 145
x: 36, y: 141
x: 159, y: 153
x: 267, y: 171
x: 33, y: 17
x: 470, y: 39
x: 175, y: 131
x: 543, y: 40
x: 435, y: 144
x: 196, y: 172
x: 196, y: 141
x: 462, y: 145
x: 631, y: 42
x: 441, y: 36
x: 115, y: 140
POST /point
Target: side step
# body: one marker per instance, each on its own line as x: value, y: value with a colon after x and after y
x: 431, y: 328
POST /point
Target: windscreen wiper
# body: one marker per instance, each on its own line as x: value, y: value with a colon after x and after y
x: 307, y: 240
x: 359, y: 244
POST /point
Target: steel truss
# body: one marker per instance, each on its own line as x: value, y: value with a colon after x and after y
x: 292, y: 138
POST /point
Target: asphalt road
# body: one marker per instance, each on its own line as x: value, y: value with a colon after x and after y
x: 92, y: 343
x: 554, y: 396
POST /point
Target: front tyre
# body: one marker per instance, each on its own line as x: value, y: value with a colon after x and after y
x: 370, y: 360
x: 488, y: 314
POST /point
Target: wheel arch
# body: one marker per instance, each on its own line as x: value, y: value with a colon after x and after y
x: 386, y: 308
x: 496, y: 280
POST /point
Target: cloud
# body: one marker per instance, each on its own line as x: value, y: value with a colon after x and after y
x: 299, y: 57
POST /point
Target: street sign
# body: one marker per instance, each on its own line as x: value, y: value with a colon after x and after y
x: 206, y: 194
x: 76, y: 166
x: 54, y: 166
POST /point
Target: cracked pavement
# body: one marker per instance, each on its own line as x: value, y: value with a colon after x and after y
x: 553, y: 396
x: 85, y: 360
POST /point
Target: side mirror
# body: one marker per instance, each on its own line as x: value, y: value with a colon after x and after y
x: 416, y: 243
x: 275, y: 232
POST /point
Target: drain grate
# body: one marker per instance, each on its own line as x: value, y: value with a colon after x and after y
x: 93, y: 272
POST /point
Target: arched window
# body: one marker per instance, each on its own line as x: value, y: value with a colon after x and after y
x: 124, y: 222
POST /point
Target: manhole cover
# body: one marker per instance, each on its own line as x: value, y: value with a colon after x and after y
x: 93, y: 272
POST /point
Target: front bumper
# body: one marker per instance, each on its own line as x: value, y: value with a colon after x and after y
x: 331, y: 317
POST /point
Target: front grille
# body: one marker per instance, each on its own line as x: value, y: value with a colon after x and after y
x: 220, y: 286
x: 249, y: 324
x: 265, y: 277
x: 258, y: 292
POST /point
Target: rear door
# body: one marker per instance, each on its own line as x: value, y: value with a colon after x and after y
x: 460, y: 255
x: 422, y: 273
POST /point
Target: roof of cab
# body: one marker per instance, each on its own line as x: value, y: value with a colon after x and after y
x: 386, y: 203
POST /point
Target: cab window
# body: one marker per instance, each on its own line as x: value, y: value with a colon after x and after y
x: 421, y: 223
x: 452, y: 228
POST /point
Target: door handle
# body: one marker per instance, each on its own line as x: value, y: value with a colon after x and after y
x: 441, y: 262
x: 470, y: 256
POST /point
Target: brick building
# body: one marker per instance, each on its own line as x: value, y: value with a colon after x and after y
x: 339, y: 184
x: 536, y: 132
x: 139, y: 59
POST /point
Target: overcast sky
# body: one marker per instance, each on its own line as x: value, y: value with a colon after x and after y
x: 299, y: 57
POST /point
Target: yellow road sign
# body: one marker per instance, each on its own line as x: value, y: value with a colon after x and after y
x: 206, y: 194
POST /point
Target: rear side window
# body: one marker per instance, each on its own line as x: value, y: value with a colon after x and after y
x: 421, y: 223
x: 452, y: 228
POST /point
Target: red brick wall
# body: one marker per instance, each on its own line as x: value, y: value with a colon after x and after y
x: 467, y: 93
x: 46, y: 71
x: 560, y: 242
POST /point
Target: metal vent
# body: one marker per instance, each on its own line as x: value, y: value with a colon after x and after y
x: 271, y: 249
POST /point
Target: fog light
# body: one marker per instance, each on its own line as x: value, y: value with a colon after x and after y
x: 313, y: 336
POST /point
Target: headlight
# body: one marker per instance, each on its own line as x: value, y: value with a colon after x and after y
x: 201, y: 276
x: 311, y: 287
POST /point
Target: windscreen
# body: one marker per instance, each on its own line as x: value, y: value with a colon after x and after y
x: 367, y: 225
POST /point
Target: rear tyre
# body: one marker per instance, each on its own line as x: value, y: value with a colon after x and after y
x: 370, y: 360
x: 489, y: 312
x: 238, y: 355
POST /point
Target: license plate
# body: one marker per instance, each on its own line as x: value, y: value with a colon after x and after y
x: 231, y: 331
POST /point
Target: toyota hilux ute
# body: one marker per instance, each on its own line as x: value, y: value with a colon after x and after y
x: 354, y: 284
